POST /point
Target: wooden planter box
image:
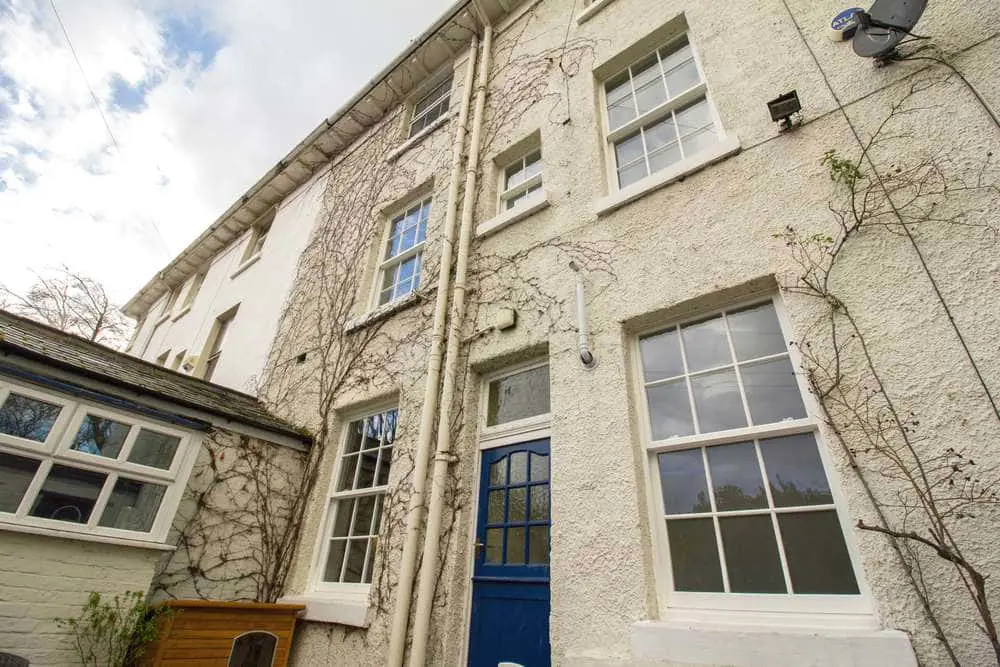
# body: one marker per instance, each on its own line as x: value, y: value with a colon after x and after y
x: 228, y: 634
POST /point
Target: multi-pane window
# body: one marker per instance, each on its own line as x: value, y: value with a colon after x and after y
x: 400, y: 269
x: 82, y: 468
x: 258, y: 237
x: 356, y: 498
x: 753, y: 513
x: 193, y: 288
x: 658, y: 113
x: 522, y: 180
x: 517, y: 396
x: 218, y: 340
x: 430, y: 107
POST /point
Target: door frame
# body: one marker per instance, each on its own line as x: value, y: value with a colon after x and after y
x: 512, y: 433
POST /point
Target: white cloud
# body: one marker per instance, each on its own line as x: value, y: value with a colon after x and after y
x: 203, y: 97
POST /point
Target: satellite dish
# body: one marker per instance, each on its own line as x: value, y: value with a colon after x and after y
x: 885, y: 25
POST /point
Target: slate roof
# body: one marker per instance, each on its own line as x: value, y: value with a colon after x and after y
x: 56, y: 348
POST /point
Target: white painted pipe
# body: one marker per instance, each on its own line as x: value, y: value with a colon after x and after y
x: 582, y: 328
x: 443, y: 456
x: 411, y: 541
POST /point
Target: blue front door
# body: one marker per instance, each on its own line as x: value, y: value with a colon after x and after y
x: 510, y: 583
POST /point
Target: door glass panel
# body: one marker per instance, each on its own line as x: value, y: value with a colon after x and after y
x: 538, y: 545
x: 498, y: 472
x: 694, y: 556
x: 682, y: 476
x: 736, y: 477
x: 772, y: 392
x: 717, y: 401
x: 515, y: 546
x: 100, y: 436
x: 795, y: 472
x: 539, y: 467
x: 16, y: 473
x: 817, y: 556
x: 516, y: 510
x: 154, y: 449
x: 27, y: 417
x: 519, y: 467
x: 518, y: 396
x: 751, y: 554
x: 539, y: 502
x: 494, y: 507
x: 494, y: 545
x: 68, y: 494
x: 133, y: 505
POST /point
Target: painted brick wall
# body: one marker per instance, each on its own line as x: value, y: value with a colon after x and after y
x: 43, y: 578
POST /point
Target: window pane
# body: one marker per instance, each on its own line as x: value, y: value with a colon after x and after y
x: 682, y: 477
x: 518, y: 467
x: 518, y: 396
x: 660, y: 134
x: 68, y: 494
x: 694, y: 555
x: 694, y: 117
x: 681, y: 72
x: 539, y: 502
x: 498, y: 472
x: 629, y: 150
x: 669, y: 410
x: 539, y: 467
x: 772, y: 392
x: 383, y: 467
x: 621, y: 106
x: 344, y: 510
x: 363, y: 516
x: 26, y: 417
x: 752, y: 559
x: 736, y: 479
x: 794, y: 471
x: 16, y: 473
x: 154, y: 449
x: 494, y: 545
x: 348, y: 467
x: 515, y: 546
x: 756, y: 332
x: 699, y: 141
x: 705, y: 345
x: 334, y: 560
x: 100, y: 436
x: 630, y: 175
x: 717, y: 400
x: 517, y: 500
x: 817, y: 556
x: 355, y: 565
x: 494, y: 506
x: 661, y: 356
x: 664, y: 157
x: 366, y: 469
x: 132, y: 505
x: 538, y: 545
x: 533, y: 165
x: 648, y: 84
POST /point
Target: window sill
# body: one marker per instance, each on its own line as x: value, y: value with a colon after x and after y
x: 729, y: 145
x: 343, y: 610
x: 184, y: 311
x: 516, y: 214
x: 418, y: 137
x: 84, y: 537
x: 592, y: 9
x: 245, y: 265
x: 382, y: 312
x: 161, y: 319
x: 745, y: 644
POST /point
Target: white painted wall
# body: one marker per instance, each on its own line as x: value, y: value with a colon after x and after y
x: 260, y: 290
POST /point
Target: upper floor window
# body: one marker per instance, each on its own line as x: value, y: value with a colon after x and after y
x: 522, y: 180
x: 357, y: 494
x: 168, y: 305
x: 80, y: 468
x: 162, y: 359
x: 194, y: 286
x: 217, y: 339
x: 258, y: 237
x: 658, y: 112
x: 430, y: 107
x: 400, y: 267
x: 745, y: 503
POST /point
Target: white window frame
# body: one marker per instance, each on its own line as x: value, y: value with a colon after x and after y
x: 213, y: 345
x: 654, y: 115
x: 353, y: 592
x: 425, y: 94
x: 846, y: 610
x: 387, y: 264
x: 257, y: 239
x: 56, y: 450
x: 506, y: 194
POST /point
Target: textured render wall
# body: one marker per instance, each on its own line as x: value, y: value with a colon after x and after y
x: 690, y: 246
x: 260, y: 290
x: 43, y: 578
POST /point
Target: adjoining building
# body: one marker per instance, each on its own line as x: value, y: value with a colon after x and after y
x: 606, y: 367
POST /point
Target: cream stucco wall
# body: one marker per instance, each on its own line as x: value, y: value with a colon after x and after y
x: 701, y: 243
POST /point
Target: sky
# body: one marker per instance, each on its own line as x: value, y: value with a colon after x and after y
x: 202, y: 97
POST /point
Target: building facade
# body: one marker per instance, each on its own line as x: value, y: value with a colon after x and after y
x: 689, y: 389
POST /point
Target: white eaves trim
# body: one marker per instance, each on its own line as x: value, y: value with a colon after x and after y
x: 592, y: 9
x: 727, y: 146
x: 510, y: 216
x: 418, y: 137
x: 346, y: 610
